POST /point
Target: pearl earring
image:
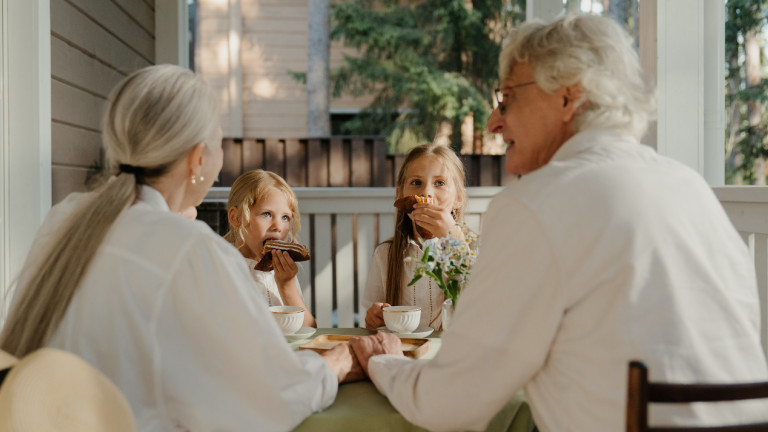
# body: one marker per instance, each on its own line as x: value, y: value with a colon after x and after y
x: 194, y: 179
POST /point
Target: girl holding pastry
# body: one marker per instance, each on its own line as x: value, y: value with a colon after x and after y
x: 263, y: 215
x: 431, y: 199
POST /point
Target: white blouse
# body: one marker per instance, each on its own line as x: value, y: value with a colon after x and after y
x: 424, y: 293
x: 169, y: 312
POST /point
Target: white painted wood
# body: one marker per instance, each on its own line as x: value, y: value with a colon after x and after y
x: 74, y: 106
x: 70, y: 25
x: 305, y: 268
x: 25, y: 173
x: 4, y: 147
x: 75, y: 145
x: 345, y: 271
x: 365, y: 247
x: 76, y: 68
x: 141, y: 12
x: 682, y: 52
x: 119, y: 24
x: 473, y: 221
x: 761, y: 256
x: 386, y: 226
x: 714, y: 92
x: 322, y: 285
x: 545, y: 10
x: 747, y: 207
x: 171, y: 20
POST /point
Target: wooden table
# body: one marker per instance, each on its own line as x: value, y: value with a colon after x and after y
x: 360, y: 407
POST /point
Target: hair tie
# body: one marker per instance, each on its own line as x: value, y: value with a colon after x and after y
x: 130, y: 169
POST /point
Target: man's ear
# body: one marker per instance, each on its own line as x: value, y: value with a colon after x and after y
x: 234, y: 217
x: 572, y: 100
x: 195, y: 159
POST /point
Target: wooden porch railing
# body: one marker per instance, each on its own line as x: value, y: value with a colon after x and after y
x: 338, y: 162
x: 343, y: 225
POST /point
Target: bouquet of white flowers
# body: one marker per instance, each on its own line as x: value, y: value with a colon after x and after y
x: 448, y: 260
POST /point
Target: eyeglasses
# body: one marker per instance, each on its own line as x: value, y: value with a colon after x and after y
x: 500, y: 96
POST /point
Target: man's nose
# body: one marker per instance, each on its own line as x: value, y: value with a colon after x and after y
x: 494, y: 124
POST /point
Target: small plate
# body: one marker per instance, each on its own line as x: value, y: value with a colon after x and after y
x: 421, y: 332
x: 302, y: 333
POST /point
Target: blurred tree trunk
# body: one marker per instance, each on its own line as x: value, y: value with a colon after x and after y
x: 754, y: 108
x: 318, y: 69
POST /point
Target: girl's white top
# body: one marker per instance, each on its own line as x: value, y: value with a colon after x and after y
x: 267, y: 285
x: 424, y: 293
x: 169, y: 312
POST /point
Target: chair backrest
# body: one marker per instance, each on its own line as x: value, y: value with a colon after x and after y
x: 641, y: 392
x: 54, y: 390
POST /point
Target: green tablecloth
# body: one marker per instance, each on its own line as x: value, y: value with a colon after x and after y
x: 360, y: 407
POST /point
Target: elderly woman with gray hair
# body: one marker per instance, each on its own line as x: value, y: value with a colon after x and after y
x: 600, y: 253
x: 161, y: 304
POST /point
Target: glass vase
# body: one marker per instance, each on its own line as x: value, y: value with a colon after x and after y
x: 447, y: 313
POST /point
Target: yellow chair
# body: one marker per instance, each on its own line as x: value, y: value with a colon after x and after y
x: 54, y: 390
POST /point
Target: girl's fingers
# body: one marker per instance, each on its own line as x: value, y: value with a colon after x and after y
x: 283, y: 262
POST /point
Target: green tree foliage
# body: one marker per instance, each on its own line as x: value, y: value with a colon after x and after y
x: 746, y: 140
x: 425, y: 62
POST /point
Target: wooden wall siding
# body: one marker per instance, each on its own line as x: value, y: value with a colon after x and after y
x: 338, y: 162
x: 94, y: 44
x: 270, y: 39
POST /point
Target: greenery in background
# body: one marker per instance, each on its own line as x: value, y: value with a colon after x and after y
x: 746, y: 138
x: 426, y: 63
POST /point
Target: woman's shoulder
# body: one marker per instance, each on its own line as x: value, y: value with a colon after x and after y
x: 166, y: 230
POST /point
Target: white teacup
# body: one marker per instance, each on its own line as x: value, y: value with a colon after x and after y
x: 289, y: 318
x: 402, y: 319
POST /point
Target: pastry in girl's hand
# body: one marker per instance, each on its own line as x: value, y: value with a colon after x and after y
x: 298, y: 252
x: 405, y: 205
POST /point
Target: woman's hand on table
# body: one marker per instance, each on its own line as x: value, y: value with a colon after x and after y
x: 342, y: 360
x: 366, y: 347
x: 374, y: 318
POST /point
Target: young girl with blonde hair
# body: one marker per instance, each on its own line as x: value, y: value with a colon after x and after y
x: 436, y: 172
x: 261, y: 207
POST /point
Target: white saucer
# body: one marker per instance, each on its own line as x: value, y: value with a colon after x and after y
x: 300, y: 334
x: 421, y: 332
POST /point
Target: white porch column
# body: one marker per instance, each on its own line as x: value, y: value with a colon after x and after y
x: 545, y: 10
x: 682, y: 52
x: 25, y: 131
x: 171, y: 45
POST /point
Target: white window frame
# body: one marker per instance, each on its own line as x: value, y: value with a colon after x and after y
x: 25, y: 131
x: 682, y: 50
x: 171, y: 21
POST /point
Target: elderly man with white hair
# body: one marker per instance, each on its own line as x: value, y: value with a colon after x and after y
x: 602, y: 252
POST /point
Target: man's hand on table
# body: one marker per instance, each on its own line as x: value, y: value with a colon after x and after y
x: 381, y: 343
x: 344, y: 363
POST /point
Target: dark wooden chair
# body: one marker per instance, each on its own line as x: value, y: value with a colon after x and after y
x: 641, y: 392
